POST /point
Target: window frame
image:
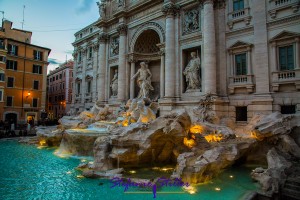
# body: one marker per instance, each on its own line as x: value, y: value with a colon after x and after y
x: 12, y: 101
x: 37, y: 69
x: 38, y: 84
x: 14, y: 65
x: 293, y: 54
x: 10, y: 77
x: 37, y: 104
x: 37, y: 55
x: 2, y: 74
x: 240, y: 5
x: 1, y: 94
x: 243, y: 68
x: 12, y: 49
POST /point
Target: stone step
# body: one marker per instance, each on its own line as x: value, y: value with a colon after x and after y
x: 291, y: 194
x: 293, y: 182
x: 292, y: 186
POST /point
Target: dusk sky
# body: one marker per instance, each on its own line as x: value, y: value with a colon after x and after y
x: 53, y: 22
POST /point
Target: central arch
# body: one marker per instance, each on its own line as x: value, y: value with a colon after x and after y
x: 144, y: 47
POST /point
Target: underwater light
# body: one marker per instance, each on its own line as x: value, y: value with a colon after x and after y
x: 217, y: 189
x: 80, y: 176
x: 69, y: 172
x: 132, y: 172
x: 231, y: 176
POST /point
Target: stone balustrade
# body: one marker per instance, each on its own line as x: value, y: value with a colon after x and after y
x: 241, y: 81
x: 238, y: 14
x: 285, y: 77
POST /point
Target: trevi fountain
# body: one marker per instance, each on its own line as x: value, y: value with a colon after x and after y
x: 194, y: 146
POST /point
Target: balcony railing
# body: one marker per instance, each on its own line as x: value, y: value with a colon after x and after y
x: 238, y: 14
x: 280, y: 5
x: 285, y: 77
x: 241, y: 81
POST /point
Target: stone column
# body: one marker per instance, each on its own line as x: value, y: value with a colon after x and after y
x: 102, y: 67
x: 209, y: 43
x: 273, y: 59
x: 170, y: 11
x: 122, y: 29
x: 249, y: 61
x: 82, y: 89
x: 95, y: 72
x: 297, y: 65
x: 132, y: 82
x: 162, y: 74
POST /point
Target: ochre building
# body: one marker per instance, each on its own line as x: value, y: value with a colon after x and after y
x: 23, y: 74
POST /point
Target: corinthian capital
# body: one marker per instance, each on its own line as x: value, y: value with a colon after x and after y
x: 217, y: 3
x: 122, y: 29
x: 102, y: 37
x: 170, y: 9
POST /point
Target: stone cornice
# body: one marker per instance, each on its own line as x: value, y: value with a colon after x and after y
x: 122, y: 29
x: 218, y: 4
x: 284, y: 20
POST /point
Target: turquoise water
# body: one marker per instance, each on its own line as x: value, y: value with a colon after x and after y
x: 31, y: 173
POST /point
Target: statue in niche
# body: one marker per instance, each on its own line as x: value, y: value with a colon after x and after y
x: 114, y: 47
x: 191, y: 21
x: 191, y: 72
x: 114, y: 84
x: 144, y: 80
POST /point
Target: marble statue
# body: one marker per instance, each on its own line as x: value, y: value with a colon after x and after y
x: 144, y: 80
x: 191, y: 73
x: 114, y: 84
x: 101, y: 6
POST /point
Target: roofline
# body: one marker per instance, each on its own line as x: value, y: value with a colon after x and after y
x: 85, y: 27
x: 30, y: 44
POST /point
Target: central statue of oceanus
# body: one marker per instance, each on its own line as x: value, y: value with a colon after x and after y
x: 144, y: 81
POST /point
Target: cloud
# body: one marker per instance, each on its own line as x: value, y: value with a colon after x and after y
x: 54, y: 61
x: 84, y: 6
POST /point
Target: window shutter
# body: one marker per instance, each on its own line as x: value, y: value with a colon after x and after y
x: 16, y: 50
x: 34, y: 54
x: 41, y: 56
x: 40, y: 70
x: 9, y: 48
x: 15, y: 65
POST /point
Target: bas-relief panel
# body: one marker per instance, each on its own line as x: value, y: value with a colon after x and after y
x: 191, y: 21
x: 114, y: 46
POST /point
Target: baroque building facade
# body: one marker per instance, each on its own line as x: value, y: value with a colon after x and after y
x: 245, y: 52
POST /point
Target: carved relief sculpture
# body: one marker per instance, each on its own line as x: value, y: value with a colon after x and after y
x: 191, y: 72
x: 144, y: 81
x: 114, y: 47
x: 191, y: 21
x: 114, y: 84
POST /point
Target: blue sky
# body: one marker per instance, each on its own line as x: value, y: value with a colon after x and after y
x: 53, y: 22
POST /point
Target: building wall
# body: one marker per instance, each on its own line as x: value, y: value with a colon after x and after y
x: 23, y: 91
x: 59, y: 90
x: 257, y: 30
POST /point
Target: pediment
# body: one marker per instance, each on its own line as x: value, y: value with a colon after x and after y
x: 240, y: 44
x: 284, y: 35
x: 88, y: 77
x: 77, y: 79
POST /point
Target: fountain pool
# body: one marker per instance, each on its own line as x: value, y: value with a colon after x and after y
x: 32, y: 173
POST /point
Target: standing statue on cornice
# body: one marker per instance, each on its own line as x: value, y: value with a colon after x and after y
x: 144, y: 80
x: 101, y: 5
x: 192, y: 74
